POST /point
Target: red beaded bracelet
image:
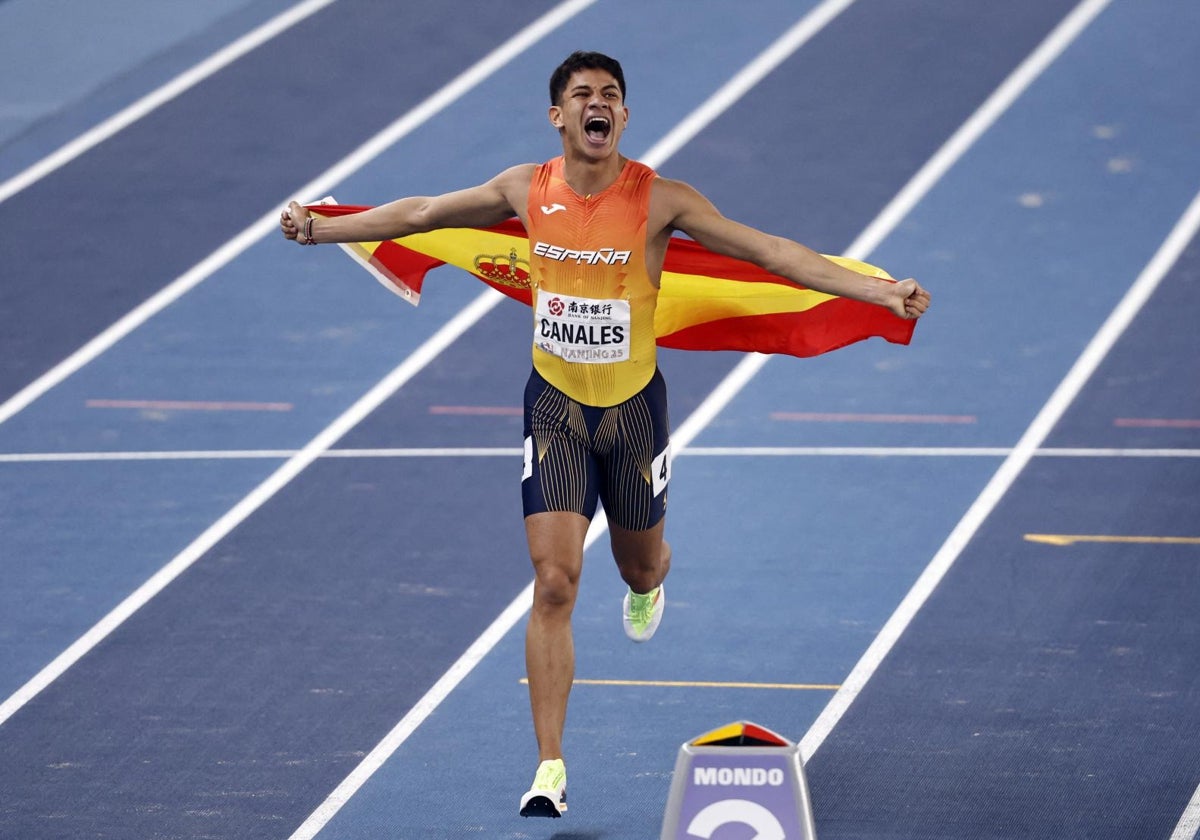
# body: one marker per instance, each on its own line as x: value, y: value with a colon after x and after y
x: 308, y: 237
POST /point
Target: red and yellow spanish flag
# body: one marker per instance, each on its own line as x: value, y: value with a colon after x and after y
x: 706, y: 301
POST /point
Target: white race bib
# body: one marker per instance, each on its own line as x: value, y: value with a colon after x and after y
x: 587, y: 330
x: 660, y: 471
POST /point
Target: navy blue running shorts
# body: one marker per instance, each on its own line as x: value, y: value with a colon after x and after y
x: 576, y: 454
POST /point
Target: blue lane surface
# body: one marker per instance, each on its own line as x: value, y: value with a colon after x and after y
x: 96, y: 238
x: 70, y: 83
x: 1053, y: 687
x: 231, y: 704
x: 823, y: 136
x: 76, y: 539
x: 1131, y: 404
x: 265, y: 704
x: 1051, y: 684
x: 1030, y: 241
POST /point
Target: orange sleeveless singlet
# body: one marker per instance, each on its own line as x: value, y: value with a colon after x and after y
x: 593, y: 302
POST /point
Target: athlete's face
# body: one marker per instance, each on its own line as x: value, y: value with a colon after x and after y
x: 591, y: 114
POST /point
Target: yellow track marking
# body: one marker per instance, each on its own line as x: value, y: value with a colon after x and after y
x: 1071, y: 539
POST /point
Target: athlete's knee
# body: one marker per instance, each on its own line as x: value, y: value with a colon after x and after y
x: 554, y: 589
x: 556, y: 550
x: 642, y: 579
x: 643, y: 566
x: 556, y: 582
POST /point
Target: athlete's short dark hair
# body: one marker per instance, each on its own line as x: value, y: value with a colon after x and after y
x: 582, y: 60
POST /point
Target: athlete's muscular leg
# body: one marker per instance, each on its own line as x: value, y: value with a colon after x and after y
x: 556, y: 549
x: 643, y: 557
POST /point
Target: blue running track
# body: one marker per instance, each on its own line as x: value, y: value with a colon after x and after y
x: 260, y: 527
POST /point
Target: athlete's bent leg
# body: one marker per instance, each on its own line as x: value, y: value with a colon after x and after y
x: 556, y: 549
x: 643, y: 557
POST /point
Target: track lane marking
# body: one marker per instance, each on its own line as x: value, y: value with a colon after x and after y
x: 257, y: 497
x: 516, y: 452
x: 968, y: 134
x: 1078, y: 376
x: 1156, y: 423
x: 159, y: 97
x: 845, y: 417
x: 1072, y: 539
x: 426, y: 353
x: 189, y: 405
x: 1188, y: 827
x: 478, y: 410
x: 321, y: 185
x: 700, y: 684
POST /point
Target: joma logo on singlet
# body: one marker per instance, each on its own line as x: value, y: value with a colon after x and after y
x: 604, y: 256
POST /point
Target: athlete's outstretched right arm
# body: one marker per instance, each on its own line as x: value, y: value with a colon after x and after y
x: 487, y: 204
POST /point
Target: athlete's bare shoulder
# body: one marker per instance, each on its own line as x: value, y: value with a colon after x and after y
x: 514, y: 184
x: 518, y: 177
x: 520, y: 172
x: 672, y: 200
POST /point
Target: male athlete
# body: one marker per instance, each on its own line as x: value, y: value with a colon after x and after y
x: 595, y: 404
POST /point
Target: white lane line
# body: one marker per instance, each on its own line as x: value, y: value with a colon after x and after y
x: 729, y: 94
x: 157, y: 98
x: 1188, y: 827
x: 515, y: 452
x: 255, y: 454
x: 253, y: 501
x: 745, y: 79
x: 321, y: 185
x: 1145, y: 284
x: 929, y: 174
x: 331, y: 434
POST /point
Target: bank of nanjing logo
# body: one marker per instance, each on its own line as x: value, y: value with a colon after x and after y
x: 507, y: 271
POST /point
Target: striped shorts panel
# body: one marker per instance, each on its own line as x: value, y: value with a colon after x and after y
x: 576, y: 454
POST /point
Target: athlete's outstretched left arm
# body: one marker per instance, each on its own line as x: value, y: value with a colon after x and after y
x: 679, y: 206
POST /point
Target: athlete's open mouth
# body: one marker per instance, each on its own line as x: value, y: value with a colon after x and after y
x: 597, y: 129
